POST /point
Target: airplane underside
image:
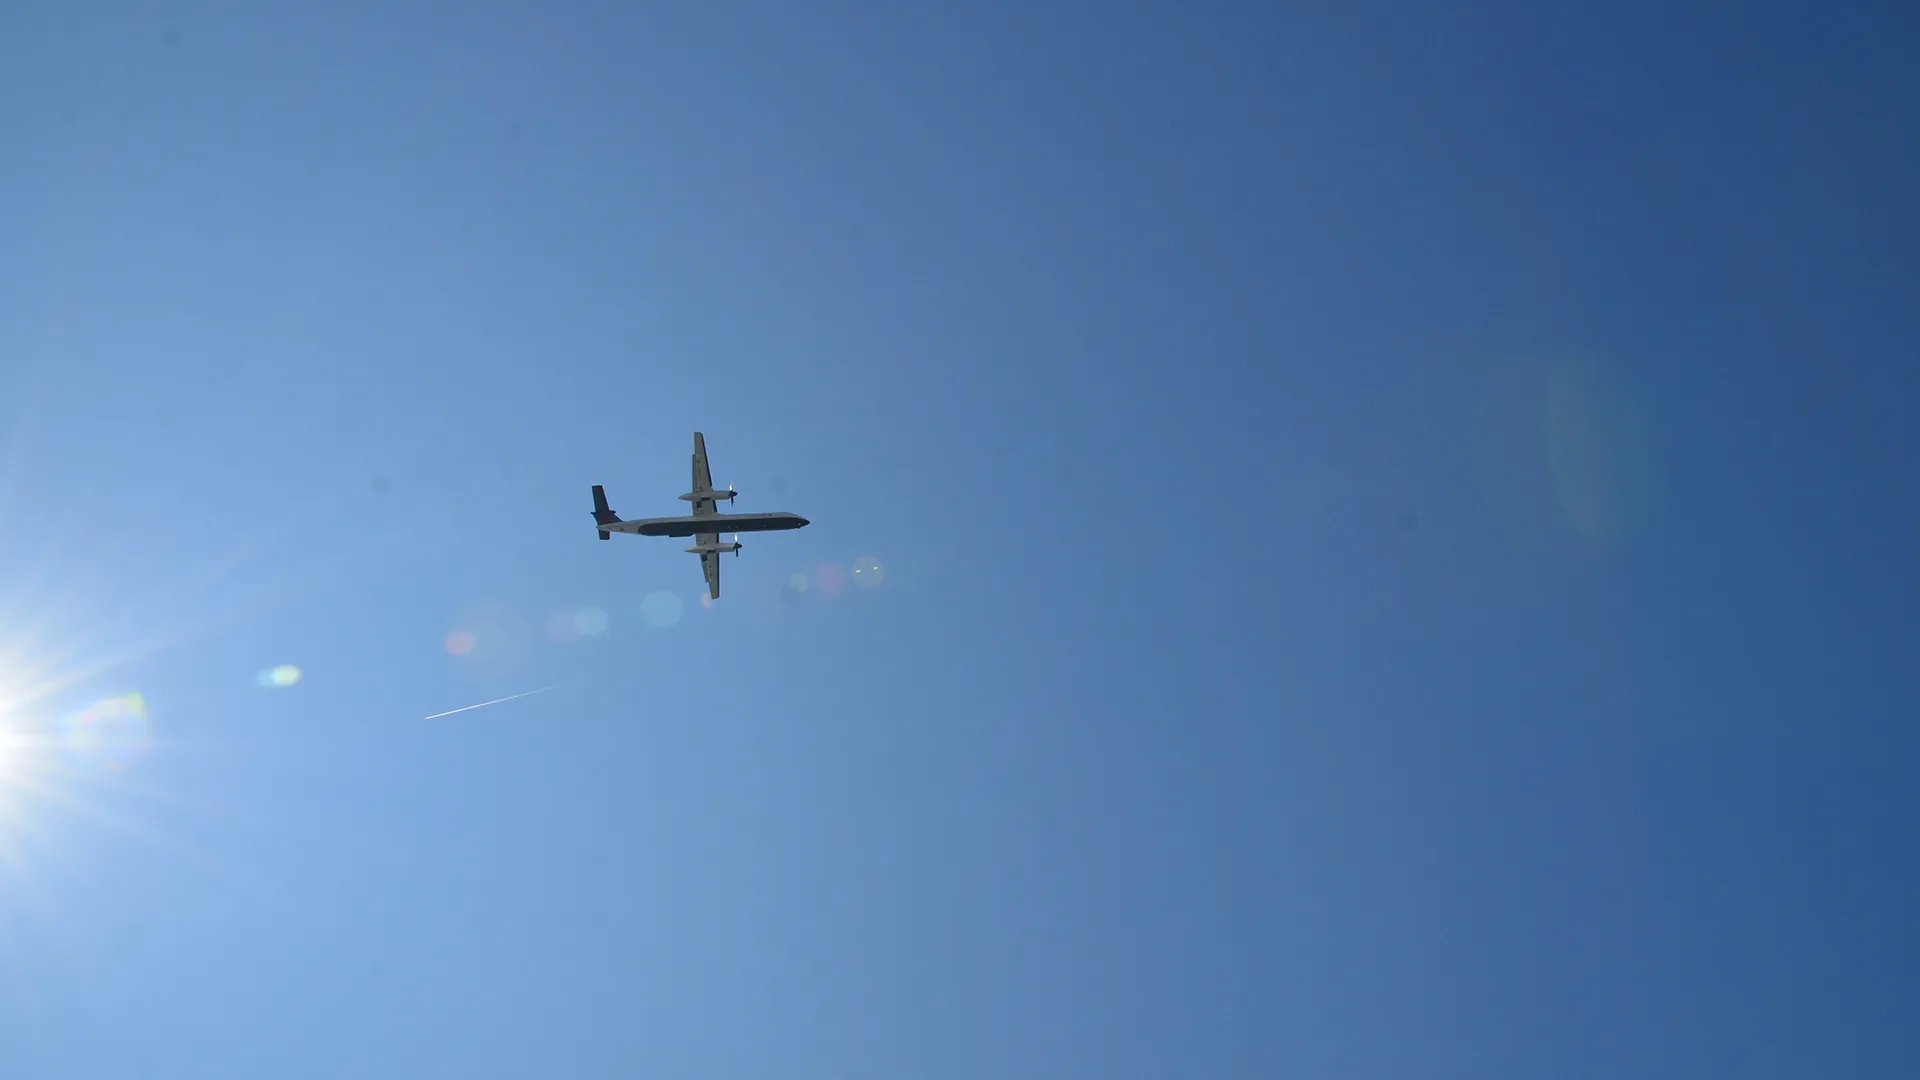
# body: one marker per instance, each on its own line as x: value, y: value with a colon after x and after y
x: 705, y: 524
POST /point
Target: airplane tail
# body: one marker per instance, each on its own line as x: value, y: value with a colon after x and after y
x: 603, y: 514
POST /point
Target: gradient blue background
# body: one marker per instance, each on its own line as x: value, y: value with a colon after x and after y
x: 1397, y: 524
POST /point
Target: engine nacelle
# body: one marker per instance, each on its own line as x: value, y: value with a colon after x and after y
x: 722, y: 549
x: 696, y: 496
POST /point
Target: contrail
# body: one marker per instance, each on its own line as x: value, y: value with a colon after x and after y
x: 495, y: 701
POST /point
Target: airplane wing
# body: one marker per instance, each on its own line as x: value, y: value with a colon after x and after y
x: 703, y: 481
x: 710, y: 563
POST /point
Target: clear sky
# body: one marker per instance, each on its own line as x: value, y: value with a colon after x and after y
x: 1381, y: 531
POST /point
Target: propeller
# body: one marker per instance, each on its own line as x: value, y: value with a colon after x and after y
x: 736, y: 545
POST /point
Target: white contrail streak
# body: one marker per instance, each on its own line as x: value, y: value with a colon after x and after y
x: 495, y: 701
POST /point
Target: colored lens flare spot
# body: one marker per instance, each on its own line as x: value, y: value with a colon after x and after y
x: 798, y: 583
x: 868, y: 573
x: 492, y: 637
x: 590, y: 621
x: 661, y: 609
x: 560, y: 626
x: 110, y: 734
x: 830, y: 579
x: 275, y: 678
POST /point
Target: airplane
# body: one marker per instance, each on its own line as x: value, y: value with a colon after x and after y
x: 705, y: 524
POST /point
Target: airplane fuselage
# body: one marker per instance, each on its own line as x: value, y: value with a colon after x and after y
x: 706, y: 522
x: 709, y: 523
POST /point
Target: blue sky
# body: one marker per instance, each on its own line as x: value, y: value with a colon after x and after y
x: 1389, y: 517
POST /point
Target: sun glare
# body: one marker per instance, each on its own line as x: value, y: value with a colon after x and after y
x: 13, y: 741
x: 13, y: 774
x: 10, y: 745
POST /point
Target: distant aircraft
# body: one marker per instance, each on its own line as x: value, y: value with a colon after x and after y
x: 705, y: 525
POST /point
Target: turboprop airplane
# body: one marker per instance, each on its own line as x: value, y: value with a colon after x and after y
x: 705, y: 524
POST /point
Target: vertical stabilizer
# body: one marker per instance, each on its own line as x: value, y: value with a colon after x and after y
x: 603, y: 514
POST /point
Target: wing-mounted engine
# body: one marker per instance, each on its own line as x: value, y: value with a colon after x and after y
x: 717, y: 549
x: 710, y: 496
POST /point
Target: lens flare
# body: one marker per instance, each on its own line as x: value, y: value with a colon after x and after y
x: 830, y: 579
x: 868, y: 573
x: 275, y: 678
x: 110, y: 734
x: 490, y: 638
x: 568, y: 625
x: 661, y: 609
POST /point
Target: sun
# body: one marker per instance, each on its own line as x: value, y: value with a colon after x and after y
x: 12, y: 740
x: 13, y: 762
x: 13, y: 749
x: 22, y: 748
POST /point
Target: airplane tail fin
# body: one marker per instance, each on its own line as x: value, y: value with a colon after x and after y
x: 602, y: 513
